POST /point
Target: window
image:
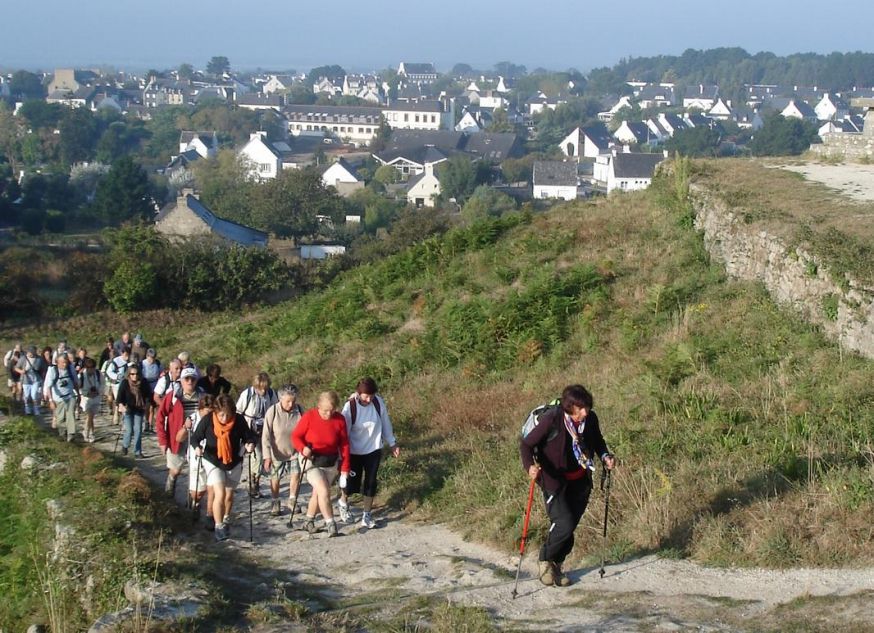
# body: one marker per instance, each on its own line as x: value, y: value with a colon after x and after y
x: 433, y: 118
x: 361, y: 130
x: 417, y: 118
x: 264, y: 168
x: 406, y: 117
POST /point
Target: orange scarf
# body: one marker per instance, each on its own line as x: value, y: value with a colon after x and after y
x: 223, y: 439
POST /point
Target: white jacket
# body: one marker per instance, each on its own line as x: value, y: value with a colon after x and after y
x: 371, y: 428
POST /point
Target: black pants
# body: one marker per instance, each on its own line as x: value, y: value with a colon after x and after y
x: 565, y: 509
x: 364, y: 467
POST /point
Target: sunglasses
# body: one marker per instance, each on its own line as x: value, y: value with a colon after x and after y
x: 189, y: 378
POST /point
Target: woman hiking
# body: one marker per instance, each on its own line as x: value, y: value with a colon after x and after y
x: 91, y: 387
x: 221, y: 438
x: 196, y: 478
x: 321, y: 438
x: 133, y: 398
x: 559, y: 452
x: 277, y: 449
x: 253, y: 404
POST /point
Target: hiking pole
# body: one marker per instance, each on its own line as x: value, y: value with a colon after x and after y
x: 524, y: 534
x: 195, y: 503
x: 303, y: 470
x: 606, y: 478
x: 251, y: 537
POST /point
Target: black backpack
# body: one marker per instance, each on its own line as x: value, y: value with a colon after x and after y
x: 353, y: 407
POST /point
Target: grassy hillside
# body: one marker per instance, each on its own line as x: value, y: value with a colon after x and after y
x: 743, y: 434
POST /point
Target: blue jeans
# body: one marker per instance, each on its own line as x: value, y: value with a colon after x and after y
x: 32, y: 396
x: 133, y: 424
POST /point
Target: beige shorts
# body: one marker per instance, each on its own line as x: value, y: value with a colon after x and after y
x: 90, y: 405
x: 215, y: 475
x: 174, y: 461
x: 326, y: 475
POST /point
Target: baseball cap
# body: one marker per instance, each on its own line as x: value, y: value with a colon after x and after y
x: 151, y: 352
x: 188, y: 372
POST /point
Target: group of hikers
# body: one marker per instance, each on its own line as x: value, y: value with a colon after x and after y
x: 202, y: 429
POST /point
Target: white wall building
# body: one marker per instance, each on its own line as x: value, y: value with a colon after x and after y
x: 421, y: 115
x: 264, y: 159
x: 555, y: 179
x: 422, y: 190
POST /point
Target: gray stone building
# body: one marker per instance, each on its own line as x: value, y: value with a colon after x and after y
x: 189, y: 218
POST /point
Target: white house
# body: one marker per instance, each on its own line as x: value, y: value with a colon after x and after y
x: 798, y: 109
x: 721, y: 110
x: 631, y: 172
x: 265, y: 159
x: 277, y: 83
x: 327, y: 86
x: 634, y: 133
x: 343, y: 177
x: 417, y: 73
x: 353, y: 124
x: 504, y: 85
x: 321, y: 251
x: 700, y: 97
x: 623, y: 102
x: 204, y: 143
x: 422, y: 190
x: 555, y: 179
x: 588, y: 142
x: 492, y: 99
x: 831, y: 108
x: 468, y: 123
x: 415, y: 115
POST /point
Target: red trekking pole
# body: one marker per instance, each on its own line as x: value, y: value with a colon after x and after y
x: 524, y: 533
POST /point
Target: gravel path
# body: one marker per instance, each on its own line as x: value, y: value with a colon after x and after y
x: 385, y: 568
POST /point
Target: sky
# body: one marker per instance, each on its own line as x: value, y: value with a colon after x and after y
x: 374, y: 34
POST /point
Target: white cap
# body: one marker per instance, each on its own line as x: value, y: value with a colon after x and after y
x: 189, y: 372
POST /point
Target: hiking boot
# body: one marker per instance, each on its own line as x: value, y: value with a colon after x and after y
x: 561, y: 579
x: 275, y: 508
x: 221, y: 532
x: 228, y: 519
x: 332, y: 529
x: 547, y: 573
x: 310, y: 526
x: 345, y: 515
x: 209, y: 524
x: 367, y: 521
x: 170, y: 488
x: 255, y: 488
x: 139, y: 455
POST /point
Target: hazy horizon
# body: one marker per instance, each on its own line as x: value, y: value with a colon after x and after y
x: 51, y: 33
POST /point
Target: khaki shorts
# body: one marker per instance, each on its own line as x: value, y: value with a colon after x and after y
x: 215, y: 475
x: 278, y: 469
x: 174, y: 461
x: 315, y: 474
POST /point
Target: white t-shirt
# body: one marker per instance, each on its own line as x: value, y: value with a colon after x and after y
x: 371, y: 428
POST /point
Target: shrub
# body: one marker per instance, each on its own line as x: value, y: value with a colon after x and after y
x: 132, y: 286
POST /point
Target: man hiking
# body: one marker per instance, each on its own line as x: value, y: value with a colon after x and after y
x: 61, y: 390
x: 276, y: 448
x: 369, y: 427
x: 176, y: 407
x: 168, y: 382
x: 30, y: 367
x: 252, y: 405
x: 213, y: 382
x: 115, y: 375
x: 559, y: 452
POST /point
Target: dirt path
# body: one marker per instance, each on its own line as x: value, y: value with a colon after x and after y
x: 383, y: 569
x: 852, y: 180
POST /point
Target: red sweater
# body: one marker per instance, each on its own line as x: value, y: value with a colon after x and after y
x: 325, y: 437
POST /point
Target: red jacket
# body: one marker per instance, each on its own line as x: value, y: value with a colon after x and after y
x: 324, y: 437
x: 170, y: 418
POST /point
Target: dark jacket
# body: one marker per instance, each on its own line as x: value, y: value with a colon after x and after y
x: 220, y: 386
x: 126, y: 397
x: 552, y: 444
x: 241, y: 435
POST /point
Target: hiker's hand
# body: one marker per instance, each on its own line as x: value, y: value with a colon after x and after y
x: 250, y: 447
x: 198, y: 451
x: 609, y: 462
x: 267, y: 463
x: 122, y: 408
x: 307, y: 451
x: 533, y: 471
x: 395, y: 450
x: 342, y: 481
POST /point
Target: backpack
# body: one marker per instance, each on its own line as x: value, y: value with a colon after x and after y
x: 268, y: 396
x: 353, y: 407
x: 533, y: 419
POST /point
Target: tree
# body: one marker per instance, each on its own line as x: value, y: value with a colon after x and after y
x: 332, y: 72
x: 185, y: 71
x: 11, y: 135
x: 509, y: 70
x: 290, y: 203
x: 462, y: 70
x: 486, y: 202
x: 518, y: 169
x: 124, y: 193
x: 381, y: 138
x: 459, y: 177
x: 132, y: 286
x: 40, y: 114
x: 696, y: 141
x: 78, y: 132
x: 386, y: 174
x: 33, y: 220
x: 218, y: 65
x: 26, y: 85
x: 301, y: 94
x: 782, y: 136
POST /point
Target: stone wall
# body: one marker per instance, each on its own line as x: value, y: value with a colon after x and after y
x: 792, y: 276
x: 848, y: 146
